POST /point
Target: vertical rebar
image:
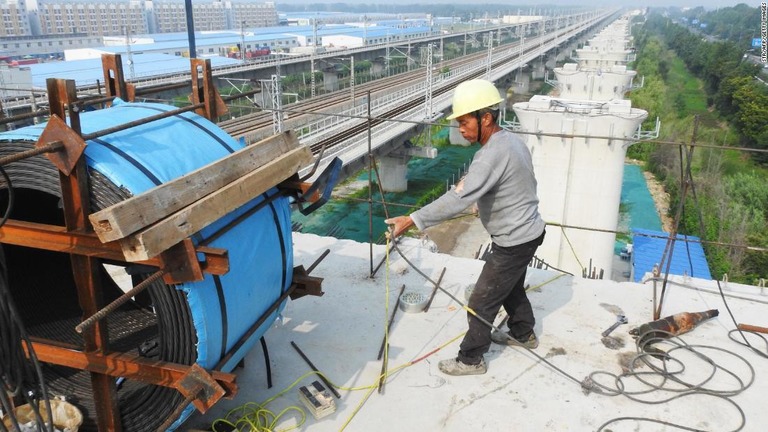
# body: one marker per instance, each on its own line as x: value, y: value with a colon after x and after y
x: 370, y: 182
x: 685, y: 181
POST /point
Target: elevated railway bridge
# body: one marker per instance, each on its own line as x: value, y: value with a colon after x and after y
x: 376, y: 117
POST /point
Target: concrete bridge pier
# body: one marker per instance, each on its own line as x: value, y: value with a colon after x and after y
x: 393, y: 167
x: 537, y: 69
x: 522, y: 83
x: 330, y: 79
x: 393, y: 171
x: 377, y: 67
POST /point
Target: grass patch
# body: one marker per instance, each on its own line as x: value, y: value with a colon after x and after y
x: 687, y: 91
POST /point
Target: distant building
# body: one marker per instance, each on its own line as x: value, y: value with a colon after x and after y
x: 252, y: 14
x: 15, y: 18
x: 46, y: 46
x: 91, y: 17
x: 118, y: 17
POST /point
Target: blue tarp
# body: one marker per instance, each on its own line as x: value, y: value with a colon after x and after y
x: 259, y: 246
x: 687, y: 257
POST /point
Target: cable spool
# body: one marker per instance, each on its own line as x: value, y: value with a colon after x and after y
x: 186, y: 323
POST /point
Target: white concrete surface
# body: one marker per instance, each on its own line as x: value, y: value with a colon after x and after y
x: 341, y: 333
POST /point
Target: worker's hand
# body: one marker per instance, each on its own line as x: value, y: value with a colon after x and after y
x: 400, y: 224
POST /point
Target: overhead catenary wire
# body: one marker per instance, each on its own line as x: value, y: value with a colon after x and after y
x: 693, y: 144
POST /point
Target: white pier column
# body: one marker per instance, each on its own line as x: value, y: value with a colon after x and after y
x: 393, y: 171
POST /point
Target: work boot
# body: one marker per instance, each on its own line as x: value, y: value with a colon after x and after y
x: 530, y: 341
x: 458, y: 368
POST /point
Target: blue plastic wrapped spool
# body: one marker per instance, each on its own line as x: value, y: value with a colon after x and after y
x: 196, y: 322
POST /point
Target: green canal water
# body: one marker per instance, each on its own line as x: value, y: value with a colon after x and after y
x: 348, y: 219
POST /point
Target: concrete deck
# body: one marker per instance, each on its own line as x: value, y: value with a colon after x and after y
x: 341, y: 333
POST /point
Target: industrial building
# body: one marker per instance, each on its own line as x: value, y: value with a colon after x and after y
x: 106, y: 18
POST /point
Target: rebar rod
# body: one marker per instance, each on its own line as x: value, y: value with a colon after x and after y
x: 311, y: 365
x: 391, y: 320
x: 48, y: 148
x: 434, y: 290
x: 106, y: 310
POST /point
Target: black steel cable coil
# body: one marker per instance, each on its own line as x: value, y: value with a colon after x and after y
x: 41, y: 283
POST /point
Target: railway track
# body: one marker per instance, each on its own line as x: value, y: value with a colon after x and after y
x: 303, y: 112
x: 329, y: 103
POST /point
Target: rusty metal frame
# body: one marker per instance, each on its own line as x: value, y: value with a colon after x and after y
x: 76, y: 238
x: 114, y: 78
x: 204, y: 92
x: 57, y: 239
x: 85, y: 269
x: 129, y: 366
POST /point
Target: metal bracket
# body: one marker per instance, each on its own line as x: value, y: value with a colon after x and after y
x: 114, y: 78
x: 207, y: 93
x: 306, y: 284
x: 66, y: 158
x: 198, y: 384
x: 180, y: 262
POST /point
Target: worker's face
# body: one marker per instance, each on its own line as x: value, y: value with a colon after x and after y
x: 468, y: 127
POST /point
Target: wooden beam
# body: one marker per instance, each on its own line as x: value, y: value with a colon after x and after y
x: 138, y: 212
x: 191, y: 219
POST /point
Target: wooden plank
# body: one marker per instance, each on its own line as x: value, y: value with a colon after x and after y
x: 171, y: 230
x: 138, y: 212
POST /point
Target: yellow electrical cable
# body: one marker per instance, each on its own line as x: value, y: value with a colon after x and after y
x: 572, y: 250
x: 386, y: 312
x: 545, y: 282
x: 260, y: 419
x: 265, y: 420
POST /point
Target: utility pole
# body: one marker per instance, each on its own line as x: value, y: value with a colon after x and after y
x: 132, y: 72
x: 386, y: 57
x: 314, y: 35
x: 352, y: 77
x: 242, y: 40
x: 190, y: 28
x: 428, y: 98
x: 442, y: 51
x: 277, y: 104
x: 490, y: 56
x: 312, y: 70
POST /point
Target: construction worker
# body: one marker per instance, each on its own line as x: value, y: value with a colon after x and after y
x: 501, y: 182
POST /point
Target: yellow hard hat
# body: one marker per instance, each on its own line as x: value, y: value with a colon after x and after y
x: 473, y: 95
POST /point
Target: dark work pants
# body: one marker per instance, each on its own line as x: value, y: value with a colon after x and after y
x: 501, y: 283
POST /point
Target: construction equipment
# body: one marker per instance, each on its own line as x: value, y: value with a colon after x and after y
x: 620, y: 319
x: 172, y: 199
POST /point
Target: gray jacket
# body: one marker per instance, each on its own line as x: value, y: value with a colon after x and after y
x: 500, y: 180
